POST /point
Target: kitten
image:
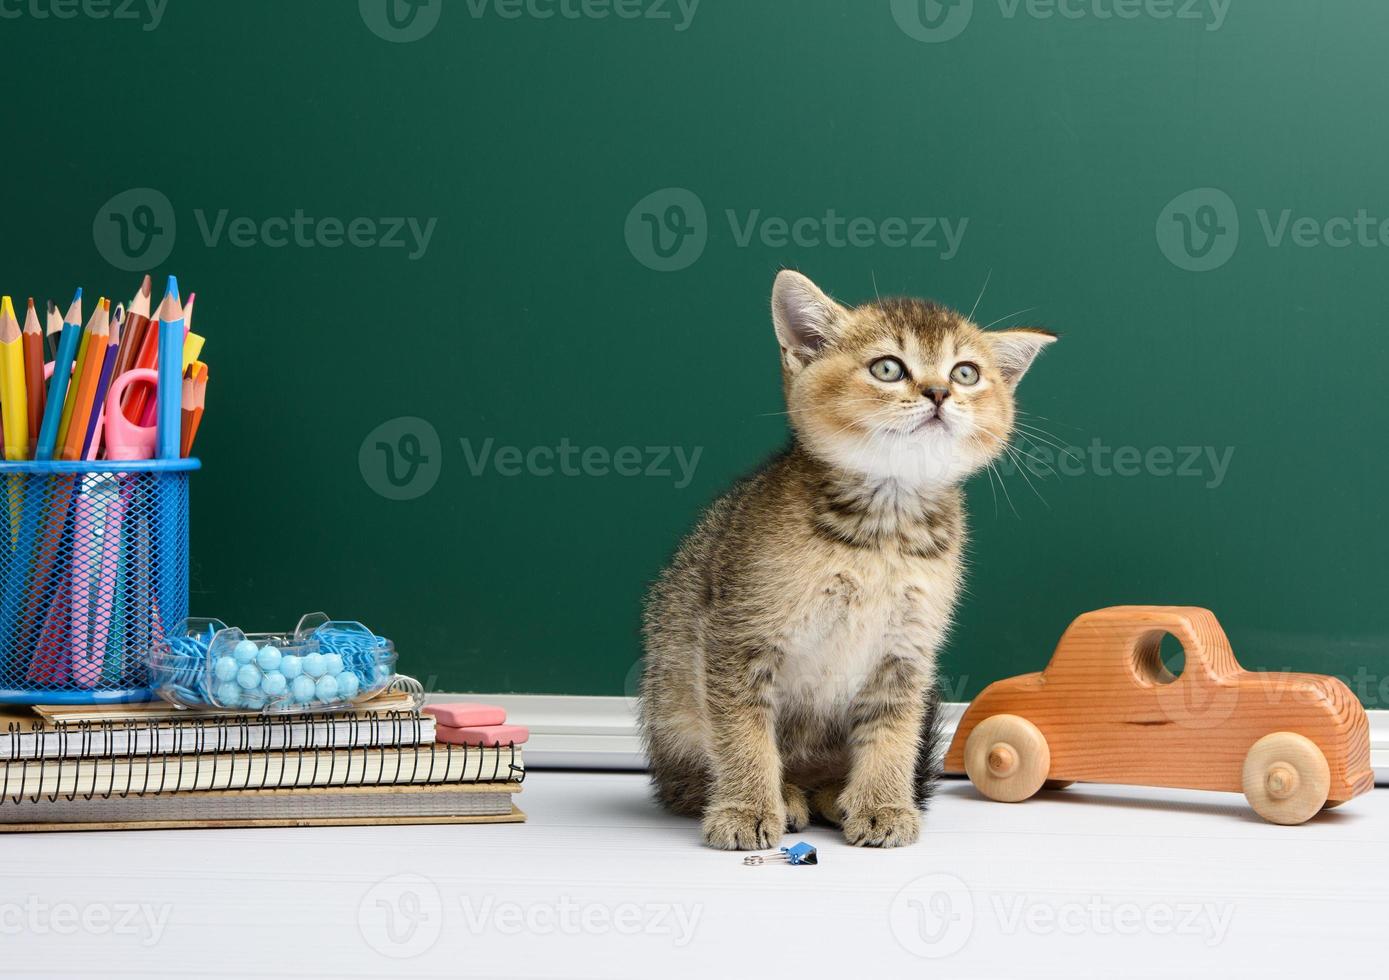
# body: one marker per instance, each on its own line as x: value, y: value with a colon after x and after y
x: 791, y: 644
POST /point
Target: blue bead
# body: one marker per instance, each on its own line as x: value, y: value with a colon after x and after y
x: 274, y: 684
x: 248, y: 676
x: 314, y: 665
x: 291, y: 666
x: 334, y: 664
x: 228, y: 695
x: 253, y: 700
x: 326, y: 689
x: 347, y: 684
x: 224, y: 669
x: 269, y: 657
x: 244, y: 652
x: 302, y: 688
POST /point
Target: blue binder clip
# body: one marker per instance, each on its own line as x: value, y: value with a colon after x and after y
x: 799, y: 854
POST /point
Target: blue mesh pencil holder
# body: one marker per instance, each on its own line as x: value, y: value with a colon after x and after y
x: 94, y: 565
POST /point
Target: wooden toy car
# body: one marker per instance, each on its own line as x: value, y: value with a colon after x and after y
x: 1107, y: 710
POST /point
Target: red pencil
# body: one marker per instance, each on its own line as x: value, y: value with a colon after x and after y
x: 34, y: 387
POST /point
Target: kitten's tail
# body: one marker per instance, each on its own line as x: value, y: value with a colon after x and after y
x: 930, y: 749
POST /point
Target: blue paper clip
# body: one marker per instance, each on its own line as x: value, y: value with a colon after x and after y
x: 801, y: 853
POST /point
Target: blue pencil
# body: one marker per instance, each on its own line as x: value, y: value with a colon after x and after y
x: 169, y: 407
x: 58, y: 387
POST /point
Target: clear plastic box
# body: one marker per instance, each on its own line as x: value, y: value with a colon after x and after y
x: 323, y: 665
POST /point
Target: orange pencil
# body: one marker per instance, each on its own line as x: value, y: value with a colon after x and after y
x: 83, y: 402
x: 194, y: 401
x: 34, y: 387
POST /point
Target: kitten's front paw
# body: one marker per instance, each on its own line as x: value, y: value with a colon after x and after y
x: 735, y: 827
x: 797, y: 807
x: 885, y: 826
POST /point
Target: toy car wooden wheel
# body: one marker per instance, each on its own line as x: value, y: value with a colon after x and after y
x: 1286, y: 778
x: 1007, y: 758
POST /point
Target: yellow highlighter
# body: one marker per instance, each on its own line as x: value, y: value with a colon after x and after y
x: 192, y: 349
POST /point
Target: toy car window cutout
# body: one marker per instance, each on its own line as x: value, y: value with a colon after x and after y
x: 1159, y: 658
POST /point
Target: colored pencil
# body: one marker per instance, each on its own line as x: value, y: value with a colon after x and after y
x: 34, y: 388
x: 93, y: 436
x: 186, y: 411
x: 54, y: 332
x: 62, y: 369
x: 170, y: 364
x: 199, y: 403
x: 137, y: 396
x: 14, y: 403
x: 79, y: 371
x: 98, y: 332
x: 137, y: 321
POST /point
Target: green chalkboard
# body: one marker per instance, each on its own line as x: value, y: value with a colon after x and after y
x: 511, y: 261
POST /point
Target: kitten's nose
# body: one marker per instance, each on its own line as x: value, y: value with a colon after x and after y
x: 936, y: 395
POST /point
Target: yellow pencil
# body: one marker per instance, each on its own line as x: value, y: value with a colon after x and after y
x: 15, y: 412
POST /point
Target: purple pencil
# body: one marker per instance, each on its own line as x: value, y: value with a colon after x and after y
x: 104, y: 380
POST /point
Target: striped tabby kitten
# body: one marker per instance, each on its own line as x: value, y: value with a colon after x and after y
x: 791, y: 644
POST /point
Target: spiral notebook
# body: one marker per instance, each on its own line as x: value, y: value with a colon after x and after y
x: 133, y: 768
x: 138, y: 731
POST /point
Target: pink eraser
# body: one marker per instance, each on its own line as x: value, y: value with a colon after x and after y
x: 487, y: 736
x: 464, y: 714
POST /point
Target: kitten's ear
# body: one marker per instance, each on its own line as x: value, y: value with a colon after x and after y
x: 1015, y: 350
x: 803, y: 315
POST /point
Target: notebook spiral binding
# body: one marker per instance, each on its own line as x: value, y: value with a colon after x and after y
x: 210, y: 741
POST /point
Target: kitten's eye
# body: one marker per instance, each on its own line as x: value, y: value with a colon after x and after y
x: 888, y: 369
x: 965, y: 374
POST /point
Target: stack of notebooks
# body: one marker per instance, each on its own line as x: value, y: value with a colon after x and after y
x: 154, y: 766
